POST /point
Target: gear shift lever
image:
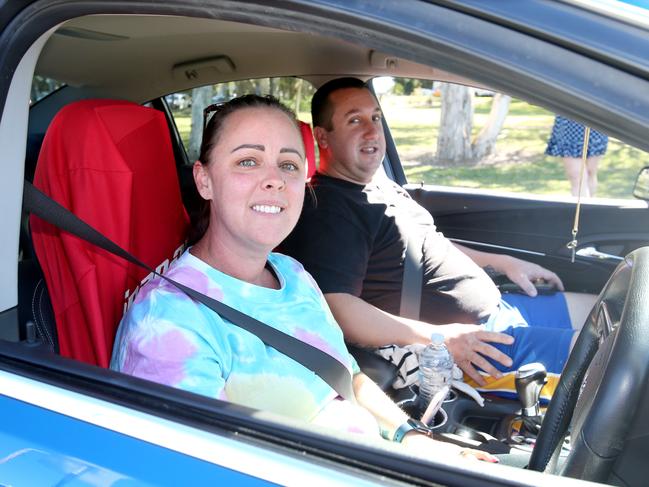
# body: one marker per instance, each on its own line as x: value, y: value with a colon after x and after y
x: 529, y: 380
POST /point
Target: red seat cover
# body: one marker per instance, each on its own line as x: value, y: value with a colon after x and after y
x: 111, y: 163
x: 309, y: 147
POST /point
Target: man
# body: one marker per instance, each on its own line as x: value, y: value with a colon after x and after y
x: 352, y: 237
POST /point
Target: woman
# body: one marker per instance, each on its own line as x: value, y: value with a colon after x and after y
x: 567, y: 142
x: 251, y: 173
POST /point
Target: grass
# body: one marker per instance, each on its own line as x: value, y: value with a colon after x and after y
x: 519, y: 163
x: 184, y: 125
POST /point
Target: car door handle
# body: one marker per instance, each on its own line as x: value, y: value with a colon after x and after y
x: 590, y: 252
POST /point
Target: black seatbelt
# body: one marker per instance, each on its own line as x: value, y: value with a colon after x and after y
x: 412, y: 280
x: 325, y: 366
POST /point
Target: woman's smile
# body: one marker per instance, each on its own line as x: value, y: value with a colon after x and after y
x: 268, y: 209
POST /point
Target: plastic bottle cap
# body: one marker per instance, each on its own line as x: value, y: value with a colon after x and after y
x: 437, y: 338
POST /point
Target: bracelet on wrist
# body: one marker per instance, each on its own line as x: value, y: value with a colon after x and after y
x: 410, y: 425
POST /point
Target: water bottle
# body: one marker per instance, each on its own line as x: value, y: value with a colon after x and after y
x: 435, y: 369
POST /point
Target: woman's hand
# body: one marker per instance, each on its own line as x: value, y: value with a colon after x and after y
x: 427, y: 445
x: 483, y: 456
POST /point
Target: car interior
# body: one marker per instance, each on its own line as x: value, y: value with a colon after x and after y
x: 110, y: 106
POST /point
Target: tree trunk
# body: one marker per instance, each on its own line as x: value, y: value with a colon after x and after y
x: 454, y: 140
x: 454, y: 143
x: 485, y: 142
x: 298, y: 96
x: 271, y: 86
x: 201, y: 97
x: 258, y: 84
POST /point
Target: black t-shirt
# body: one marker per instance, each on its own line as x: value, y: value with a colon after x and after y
x: 349, y: 237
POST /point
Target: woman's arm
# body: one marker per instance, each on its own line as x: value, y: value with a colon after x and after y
x: 390, y: 417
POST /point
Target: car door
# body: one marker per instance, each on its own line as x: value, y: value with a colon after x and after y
x: 539, y: 230
x: 534, y: 225
x: 65, y: 422
x: 215, y: 432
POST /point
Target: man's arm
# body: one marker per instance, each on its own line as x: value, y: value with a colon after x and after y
x: 518, y: 271
x: 368, y: 326
x: 390, y: 417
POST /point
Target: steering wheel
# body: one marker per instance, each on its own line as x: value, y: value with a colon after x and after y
x: 604, y: 387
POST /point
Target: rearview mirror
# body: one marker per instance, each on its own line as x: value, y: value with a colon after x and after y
x: 641, y: 188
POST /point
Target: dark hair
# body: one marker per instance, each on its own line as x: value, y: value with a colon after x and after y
x: 221, y: 112
x: 200, y: 217
x: 321, y: 109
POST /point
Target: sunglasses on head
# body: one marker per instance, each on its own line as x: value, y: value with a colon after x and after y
x: 210, y: 110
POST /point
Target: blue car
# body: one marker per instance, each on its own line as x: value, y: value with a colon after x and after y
x: 66, y: 419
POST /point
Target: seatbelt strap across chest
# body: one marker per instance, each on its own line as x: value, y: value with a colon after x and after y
x: 325, y: 366
x: 412, y: 280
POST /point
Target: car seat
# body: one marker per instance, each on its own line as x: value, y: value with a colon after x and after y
x: 111, y: 163
x: 309, y: 148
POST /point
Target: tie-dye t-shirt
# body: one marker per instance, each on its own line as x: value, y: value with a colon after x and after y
x: 168, y: 338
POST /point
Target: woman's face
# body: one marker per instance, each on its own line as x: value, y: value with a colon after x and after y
x: 254, y: 180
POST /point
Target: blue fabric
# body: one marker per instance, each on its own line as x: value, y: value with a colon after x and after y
x: 540, y: 327
x: 548, y: 310
x: 567, y: 140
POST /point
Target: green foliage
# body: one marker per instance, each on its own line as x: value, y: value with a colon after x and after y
x: 42, y: 86
x: 519, y: 164
x: 543, y: 175
x: 295, y: 93
x: 405, y: 86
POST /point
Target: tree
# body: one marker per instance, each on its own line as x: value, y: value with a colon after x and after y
x: 293, y: 92
x: 298, y: 95
x: 43, y: 86
x: 456, y: 123
x: 406, y: 86
x: 201, y: 97
x: 484, y: 144
x: 455, y: 143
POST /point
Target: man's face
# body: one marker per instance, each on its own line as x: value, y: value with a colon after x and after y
x: 355, y: 146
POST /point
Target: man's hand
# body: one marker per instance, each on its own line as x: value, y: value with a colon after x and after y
x: 368, y: 326
x: 469, y: 345
x: 524, y: 273
x: 520, y: 272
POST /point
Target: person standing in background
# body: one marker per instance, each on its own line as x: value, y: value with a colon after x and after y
x: 567, y: 142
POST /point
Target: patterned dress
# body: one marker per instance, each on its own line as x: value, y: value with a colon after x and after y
x: 168, y: 338
x: 567, y: 140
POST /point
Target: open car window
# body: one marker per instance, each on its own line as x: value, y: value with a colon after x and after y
x: 187, y: 106
x: 103, y: 50
x: 485, y: 140
x: 42, y: 86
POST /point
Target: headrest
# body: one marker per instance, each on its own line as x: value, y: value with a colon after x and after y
x: 309, y: 147
x: 111, y: 163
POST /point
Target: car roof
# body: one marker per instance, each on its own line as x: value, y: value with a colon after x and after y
x: 120, y: 55
x: 579, y: 62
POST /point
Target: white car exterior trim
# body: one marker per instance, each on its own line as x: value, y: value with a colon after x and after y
x: 13, y: 127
